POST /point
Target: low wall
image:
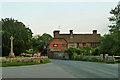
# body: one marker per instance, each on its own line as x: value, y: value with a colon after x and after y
x: 30, y: 59
x: 58, y: 55
x: 107, y: 58
x: 62, y: 55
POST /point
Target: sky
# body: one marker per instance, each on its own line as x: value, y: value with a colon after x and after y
x: 45, y: 17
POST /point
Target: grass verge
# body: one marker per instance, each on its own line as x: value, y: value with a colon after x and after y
x: 21, y: 63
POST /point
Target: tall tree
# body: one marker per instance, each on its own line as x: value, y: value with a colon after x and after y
x: 110, y: 43
x: 22, y: 36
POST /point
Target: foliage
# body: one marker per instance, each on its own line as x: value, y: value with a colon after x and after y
x: 2, y: 57
x: 85, y: 58
x: 23, y: 39
x: 106, y: 44
x: 94, y: 59
x: 74, y: 56
x: 72, y: 51
x: 110, y: 43
x: 95, y: 51
x: 29, y: 52
x: 22, y: 36
x: 82, y: 50
x: 38, y: 42
x: 88, y: 50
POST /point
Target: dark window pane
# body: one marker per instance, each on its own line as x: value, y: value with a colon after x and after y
x: 84, y: 44
x: 92, y: 44
x: 55, y: 45
x: 63, y: 45
x: 72, y: 46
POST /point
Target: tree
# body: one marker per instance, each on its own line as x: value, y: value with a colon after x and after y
x: 96, y: 51
x: 38, y: 41
x: 106, y: 44
x: 110, y: 43
x: 115, y: 29
x: 22, y: 36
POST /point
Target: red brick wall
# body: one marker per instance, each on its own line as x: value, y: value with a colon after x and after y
x: 63, y: 41
x: 72, y: 44
x: 59, y: 42
x: 89, y: 44
x: 80, y: 44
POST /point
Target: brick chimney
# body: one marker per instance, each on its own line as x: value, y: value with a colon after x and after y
x: 94, y: 31
x: 71, y: 33
x: 56, y: 33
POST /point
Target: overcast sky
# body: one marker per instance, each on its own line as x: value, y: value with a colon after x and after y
x: 45, y: 17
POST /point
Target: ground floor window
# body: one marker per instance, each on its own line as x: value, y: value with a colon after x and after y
x: 84, y: 44
x: 72, y: 46
x: 55, y: 45
x: 92, y: 44
x: 63, y: 45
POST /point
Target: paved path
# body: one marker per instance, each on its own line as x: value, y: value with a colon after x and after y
x: 63, y: 69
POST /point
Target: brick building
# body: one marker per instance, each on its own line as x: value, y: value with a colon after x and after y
x: 61, y: 42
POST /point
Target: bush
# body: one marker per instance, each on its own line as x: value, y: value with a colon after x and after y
x: 94, y: 59
x: 95, y: 51
x: 85, y: 59
x: 88, y: 50
x: 75, y: 56
x: 100, y: 59
x: 29, y: 52
x: 71, y: 51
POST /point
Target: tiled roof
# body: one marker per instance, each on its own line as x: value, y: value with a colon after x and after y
x: 80, y: 37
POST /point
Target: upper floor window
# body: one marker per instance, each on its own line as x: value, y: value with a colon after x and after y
x: 84, y: 44
x: 72, y: 46
x: 63, y: 45
x: 55, y: 45
x: 92, y: 44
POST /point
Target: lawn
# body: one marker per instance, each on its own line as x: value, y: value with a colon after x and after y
x: 21, y: 63
x: 2, y: 57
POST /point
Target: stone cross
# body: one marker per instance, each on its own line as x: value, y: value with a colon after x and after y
x: 11, y: 53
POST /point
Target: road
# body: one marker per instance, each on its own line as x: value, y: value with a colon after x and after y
x: 63, y: 69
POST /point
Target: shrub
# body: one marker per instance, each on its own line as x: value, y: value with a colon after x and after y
x: 88, y: 50
x: 100, y: 59
x: 94, y: 59
x: 29, y: 52
x: 85, y: 59
x: 95, y: 51
x: 82, y: 49
x: 75, y: 56
x: 71, y: 51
